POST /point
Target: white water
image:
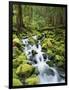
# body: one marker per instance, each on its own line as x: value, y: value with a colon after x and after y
x: 47, y: 74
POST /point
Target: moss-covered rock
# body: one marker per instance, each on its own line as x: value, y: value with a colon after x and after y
x: 51, y: 54
x: 25, y: 69
x: 16, y: 52
x: 58, y: 57
x: 14, y: 36
x: 60, y: 50
x: 19, y: 60
x: 50, y: 63
x: 32, y: 80
x: 36, y: 72
x: 60, y: 64
x: 31, y: 40
x: 16, y: 41
x: 22, y: 58
x: 59, y: 61
x: 14, y: 74
x: 16, y: 82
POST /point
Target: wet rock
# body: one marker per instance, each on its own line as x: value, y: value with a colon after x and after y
x: 50, y: 72
x: 34, y: 53
x: 45, y: 56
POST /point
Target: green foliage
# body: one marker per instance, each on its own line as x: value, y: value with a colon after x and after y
x: 26, y: 21
x: 34, y: 25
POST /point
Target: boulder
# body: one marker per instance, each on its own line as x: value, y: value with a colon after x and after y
x: 19, y: 60
x: 25, y: 70
x: 17, y: 82
x: 32, y: 80
x: 16, y: 52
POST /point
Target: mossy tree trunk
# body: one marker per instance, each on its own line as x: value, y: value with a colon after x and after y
x: 19, y: 18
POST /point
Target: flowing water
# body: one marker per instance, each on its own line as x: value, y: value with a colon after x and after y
x: 47, y: 74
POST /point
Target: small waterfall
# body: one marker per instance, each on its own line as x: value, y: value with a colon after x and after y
x: 47, y: 74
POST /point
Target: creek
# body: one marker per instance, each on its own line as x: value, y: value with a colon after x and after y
x: 47, y: 74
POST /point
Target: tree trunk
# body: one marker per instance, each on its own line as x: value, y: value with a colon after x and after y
x: 19, y: 18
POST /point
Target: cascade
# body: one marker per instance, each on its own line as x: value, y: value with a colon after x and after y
x: 47, y: 74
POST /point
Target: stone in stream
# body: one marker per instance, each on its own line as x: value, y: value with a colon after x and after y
x: 44, y: 56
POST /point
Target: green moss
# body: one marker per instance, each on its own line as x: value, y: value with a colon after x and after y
x: 14, y: 74
x: 60, y: 50
x: 57, y: 57
x: 60, y: 64
x: 47, y: 43
x: 59, y: 60
x: 32, y: 80
x: 25, y: 70
x: 16, y: 52
x: 16, y: 82
x: 14, y: 36
x: 19, y: 60
x: 50, y: 53
x: 14, y: 19
x: 31, y: 40
x: 22, y: 57
x: 50, y: 63
x: 36, y: 72
x: 16, y: 63
x: 16, y: 41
